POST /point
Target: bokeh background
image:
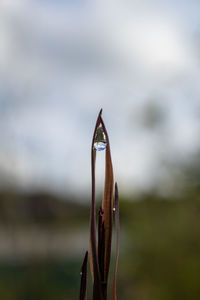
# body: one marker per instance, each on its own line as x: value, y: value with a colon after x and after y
x: 60, y: 62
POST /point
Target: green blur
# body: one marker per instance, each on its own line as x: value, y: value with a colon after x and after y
x: 159, y: 248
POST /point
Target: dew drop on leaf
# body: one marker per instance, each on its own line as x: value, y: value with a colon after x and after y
x: 100, y: 146
x: 100, y: 142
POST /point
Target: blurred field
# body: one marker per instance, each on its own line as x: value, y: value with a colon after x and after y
x: 43, y: 239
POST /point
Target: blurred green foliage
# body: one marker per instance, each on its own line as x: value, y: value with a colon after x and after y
x: 159, y: 249
x: 162, y: 255
x: 44, y: 280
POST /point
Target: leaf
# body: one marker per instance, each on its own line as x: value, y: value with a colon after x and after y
x: 107, y: 205
x: 94, y: 265
x: 83, y: 288
x: 100, y: 260
x: 117, y: 226
x: 101, y: 243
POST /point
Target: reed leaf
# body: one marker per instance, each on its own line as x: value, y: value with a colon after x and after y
x: 100, y: 251
x: 117, y: 228
x: 94, y: 264
x: 107, y: 205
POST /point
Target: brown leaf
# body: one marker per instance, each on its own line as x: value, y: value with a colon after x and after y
x: 117, y: 226
x: 94, y: 265
x: 101, y: 244
x: 107, y: 204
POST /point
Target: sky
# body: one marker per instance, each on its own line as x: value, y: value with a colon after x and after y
x: 61, y: 61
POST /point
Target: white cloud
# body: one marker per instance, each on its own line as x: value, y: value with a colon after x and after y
x: 60, y: 64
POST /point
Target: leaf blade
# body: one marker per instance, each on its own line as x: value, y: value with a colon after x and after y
x: 94, y: 265
x: 117, y: 226
x: 107, y: 204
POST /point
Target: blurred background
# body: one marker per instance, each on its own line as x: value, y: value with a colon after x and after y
x: 60, y: 62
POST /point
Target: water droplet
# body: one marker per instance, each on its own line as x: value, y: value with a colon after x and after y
x: 100, y: 142
x: 81, y: 273
x: 100, y: 146
x: 113, y: 208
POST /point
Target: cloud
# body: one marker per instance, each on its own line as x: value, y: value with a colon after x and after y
x: 59, y: 64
